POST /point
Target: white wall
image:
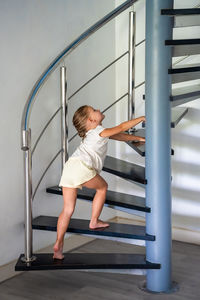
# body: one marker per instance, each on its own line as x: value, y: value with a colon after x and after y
x: 32, y: 34
x: 185, y: 137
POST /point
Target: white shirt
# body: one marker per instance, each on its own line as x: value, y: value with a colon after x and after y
x: 93, y: 148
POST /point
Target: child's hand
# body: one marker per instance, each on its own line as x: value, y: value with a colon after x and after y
x: 143, y: 119
x: 142, y: 139
x: 137, y: 139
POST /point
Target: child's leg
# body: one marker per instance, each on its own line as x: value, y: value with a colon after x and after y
x: 69, y: 197
x: 101, y: 186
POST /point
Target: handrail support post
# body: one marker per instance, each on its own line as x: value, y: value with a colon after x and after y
x: 64, y: 115
x: 28, y: 257
x: 131, y: 67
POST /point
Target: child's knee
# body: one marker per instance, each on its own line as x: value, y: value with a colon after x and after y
x: 103, y: 187
x: 106, y: 186
x: 68, y: 211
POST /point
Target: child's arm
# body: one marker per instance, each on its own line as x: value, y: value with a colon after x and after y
x: 122, y: 127
x: 126, y: 137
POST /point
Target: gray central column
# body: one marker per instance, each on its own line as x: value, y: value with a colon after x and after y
x: 158, y: 143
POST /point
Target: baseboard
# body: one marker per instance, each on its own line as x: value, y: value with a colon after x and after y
x: 186, y: 235
x: 180, y: 234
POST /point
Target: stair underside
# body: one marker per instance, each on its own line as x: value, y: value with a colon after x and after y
x: 184, y: 47
x: 186, y: 21
x: 81, y: 261
x: 81, y: 226
x: 177, y: 113
x: 183, y: 73
x: 125, y: 169
x: 185, y: 94
x: 120, y: 201
x: 139, y: 147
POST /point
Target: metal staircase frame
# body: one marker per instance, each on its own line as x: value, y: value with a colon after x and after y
x: 158, y: 143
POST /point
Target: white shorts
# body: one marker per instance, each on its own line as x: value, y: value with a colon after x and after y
x: 75, y: 173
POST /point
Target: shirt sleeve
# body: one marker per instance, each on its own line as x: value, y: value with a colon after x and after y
x: 99, y: 129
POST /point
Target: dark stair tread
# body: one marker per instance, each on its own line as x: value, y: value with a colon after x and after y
x: 139, y: 147
x: 125, y: 169
x: 184, y: 69
x: 183, y: 95
x: 82, y: 227
x: 180, y: 11
x: 177, y: 114
x: 76, y: 261
x: 112, y: 198
x: 182, y: 42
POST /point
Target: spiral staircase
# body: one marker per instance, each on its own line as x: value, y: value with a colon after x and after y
x: 132, y: 204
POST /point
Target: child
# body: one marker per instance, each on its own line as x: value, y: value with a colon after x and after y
x: 84, y: 166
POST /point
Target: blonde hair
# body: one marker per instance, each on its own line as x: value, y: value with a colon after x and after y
x: 79, y: 120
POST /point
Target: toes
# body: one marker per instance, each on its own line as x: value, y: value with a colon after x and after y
x: 58, y: 258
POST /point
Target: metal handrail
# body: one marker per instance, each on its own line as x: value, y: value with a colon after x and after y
x: 78, y: 90
x: 101, y: 71
x: 26, y: 131
x: 56, y: 61
x: 140, y: 43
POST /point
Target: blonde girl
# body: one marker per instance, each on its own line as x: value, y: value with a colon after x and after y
x: 85, y: 164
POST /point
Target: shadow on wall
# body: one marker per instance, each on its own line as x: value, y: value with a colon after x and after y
x: 189, y: 169
x: 194, y: 113
x: 186, y: 208
x: 184, y: 194
x: 184, y: 140
x: 186, y: 172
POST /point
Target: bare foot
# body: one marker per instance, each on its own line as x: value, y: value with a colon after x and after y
x: 58, y: 248
x: 98, y: 224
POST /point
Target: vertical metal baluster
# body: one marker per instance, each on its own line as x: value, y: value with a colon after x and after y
x: 64, y: 117
x: 131, y: 67
x: 28, y: 257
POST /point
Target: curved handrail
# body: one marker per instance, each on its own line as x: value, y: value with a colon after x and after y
x: 95, y: 76
x: 77, y: 91
x: 66, y: 51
